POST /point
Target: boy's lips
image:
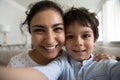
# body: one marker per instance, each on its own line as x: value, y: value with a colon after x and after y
x: 79, y: 51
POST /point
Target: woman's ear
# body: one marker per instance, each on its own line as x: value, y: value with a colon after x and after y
x: 95, y: 41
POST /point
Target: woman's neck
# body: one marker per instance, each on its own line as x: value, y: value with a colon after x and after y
x: 38, y: 58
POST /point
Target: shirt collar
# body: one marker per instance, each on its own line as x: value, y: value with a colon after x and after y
x: 74, y: 62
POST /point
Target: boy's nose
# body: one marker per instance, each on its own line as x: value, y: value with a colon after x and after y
x: 79, y: 41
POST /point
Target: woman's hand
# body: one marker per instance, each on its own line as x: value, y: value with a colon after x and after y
x: 103, y: 56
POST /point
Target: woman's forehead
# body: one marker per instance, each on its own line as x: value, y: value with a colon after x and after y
x: 47, y: 18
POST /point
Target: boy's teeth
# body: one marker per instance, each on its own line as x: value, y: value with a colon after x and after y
x: 50, y: 47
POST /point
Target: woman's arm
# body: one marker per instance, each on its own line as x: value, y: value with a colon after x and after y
x: 7, y: 73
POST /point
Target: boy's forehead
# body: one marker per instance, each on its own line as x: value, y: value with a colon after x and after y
x: 76, y: 25
x: 78, y: 22
x: 78, y: 28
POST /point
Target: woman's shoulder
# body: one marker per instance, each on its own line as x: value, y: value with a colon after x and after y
x: 18, y: 59
x: 20, y: 56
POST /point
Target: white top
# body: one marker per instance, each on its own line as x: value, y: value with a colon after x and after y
x: 22, y: 60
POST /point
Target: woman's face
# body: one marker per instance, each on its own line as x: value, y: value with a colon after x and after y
x: 47, y: 31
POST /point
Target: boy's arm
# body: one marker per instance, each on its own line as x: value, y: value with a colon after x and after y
x: 7, y: 73
x: 115, y: 72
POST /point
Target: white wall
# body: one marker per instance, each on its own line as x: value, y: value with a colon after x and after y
x: 12, y: 14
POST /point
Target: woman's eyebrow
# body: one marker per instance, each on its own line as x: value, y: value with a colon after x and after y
x: 39, y: 26
x: 57, y: 24
x: 43, y: 26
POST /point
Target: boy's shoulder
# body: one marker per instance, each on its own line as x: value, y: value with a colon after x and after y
x: 108, y: 61
x: 105, y: 64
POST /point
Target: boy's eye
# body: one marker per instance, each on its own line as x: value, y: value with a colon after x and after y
x: 86, y: 36
x: 69, y: 37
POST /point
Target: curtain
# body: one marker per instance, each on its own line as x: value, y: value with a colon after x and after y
x: 110, y: 21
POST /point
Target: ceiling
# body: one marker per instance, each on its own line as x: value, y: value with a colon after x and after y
x: 94, y: 5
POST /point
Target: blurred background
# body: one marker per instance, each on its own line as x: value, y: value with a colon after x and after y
x: 12, y: 14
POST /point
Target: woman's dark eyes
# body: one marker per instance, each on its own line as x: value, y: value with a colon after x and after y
x: 43, y: 30
x: 58, y: 29
x: 39, y: 30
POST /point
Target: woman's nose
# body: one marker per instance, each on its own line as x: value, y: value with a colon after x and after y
x: 50, y: 38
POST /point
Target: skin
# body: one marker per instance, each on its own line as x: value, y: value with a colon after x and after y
x: 79, y: 41
x: 100, y: 56
x: 47, y: 31
x: 20, y: 74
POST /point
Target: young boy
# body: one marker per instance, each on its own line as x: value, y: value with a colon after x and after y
x: 78, y: 64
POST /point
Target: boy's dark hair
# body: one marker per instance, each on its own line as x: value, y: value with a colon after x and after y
x: 38, y: 7
x: 84, y: 17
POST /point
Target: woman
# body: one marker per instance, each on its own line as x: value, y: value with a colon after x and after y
x: 45, y: 24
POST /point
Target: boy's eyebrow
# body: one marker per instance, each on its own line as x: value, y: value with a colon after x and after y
x: 87, y: 32
x: 81, y: 32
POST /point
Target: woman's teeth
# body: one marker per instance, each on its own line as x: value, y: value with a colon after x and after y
x: 50, y: 47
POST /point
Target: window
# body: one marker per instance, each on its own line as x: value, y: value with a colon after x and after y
x: 109, y: 18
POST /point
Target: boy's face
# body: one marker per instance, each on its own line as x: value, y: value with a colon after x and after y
x: 79, y: 41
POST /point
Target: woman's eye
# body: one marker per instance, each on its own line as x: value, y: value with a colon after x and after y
x: 39, y: 30
x: 58, y: 29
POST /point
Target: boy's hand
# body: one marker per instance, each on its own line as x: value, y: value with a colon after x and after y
x: 103, y: 56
